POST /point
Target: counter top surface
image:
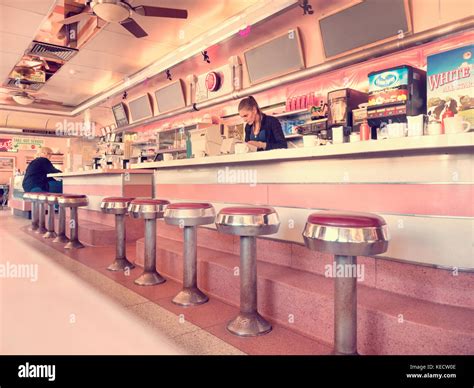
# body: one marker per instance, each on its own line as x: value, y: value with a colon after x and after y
x: 401, y: 145
x: 99, y: 172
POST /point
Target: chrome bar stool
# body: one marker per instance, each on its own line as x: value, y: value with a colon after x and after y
x: 188, y: 216
x: 61, y: 233
x: 32, y: 197
x: 51, y: 200
x: 346, y: 235
x: 149, y: 209
x: 248, y: 222
x: 73, y: 201
x: 41, y: 201
x: 119, y: 207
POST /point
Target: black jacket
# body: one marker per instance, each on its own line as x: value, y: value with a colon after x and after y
x: 35, y: 175
x: 275, y: 138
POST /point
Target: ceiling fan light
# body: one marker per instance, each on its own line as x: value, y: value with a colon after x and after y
x: 111, y: 12
x: 23, y: 99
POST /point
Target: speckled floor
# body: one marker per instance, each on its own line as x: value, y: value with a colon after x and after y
x: 65, y: 307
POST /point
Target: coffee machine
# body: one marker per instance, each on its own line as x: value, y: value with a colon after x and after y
x: 341, y: 103
x: 396, y: 93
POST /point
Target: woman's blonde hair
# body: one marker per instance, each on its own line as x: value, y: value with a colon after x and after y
x: 44, y: 151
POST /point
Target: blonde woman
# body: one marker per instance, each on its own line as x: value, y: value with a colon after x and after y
x: 36, y: 179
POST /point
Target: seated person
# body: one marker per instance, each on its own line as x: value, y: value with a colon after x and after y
x: 36, y: 179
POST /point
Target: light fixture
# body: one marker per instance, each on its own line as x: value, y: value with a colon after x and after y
x: 125, y: 95
x: 23, y: 99
x: 168, y: 74
x: 307, y: 8
x: 205, y: 57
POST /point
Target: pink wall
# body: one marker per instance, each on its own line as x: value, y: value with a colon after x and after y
x: 424, y: 16
x: 20, y: 156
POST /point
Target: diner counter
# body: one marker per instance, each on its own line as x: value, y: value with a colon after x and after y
x: 99, y: 172
x: 419, y: 144
x: 422, y: 186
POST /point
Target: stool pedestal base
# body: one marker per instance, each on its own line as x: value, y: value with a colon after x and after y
x: 149, y: 279
x: 249, y: 325
x: 190, y: 297
x: 120, y: 265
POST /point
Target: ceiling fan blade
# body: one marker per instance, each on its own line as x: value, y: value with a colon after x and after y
x: 76, y: 18
x: 132, y: 26
x: 161, y: 12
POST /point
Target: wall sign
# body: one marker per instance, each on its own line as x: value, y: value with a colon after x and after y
x: 6, y: 145
x: 27, y: 143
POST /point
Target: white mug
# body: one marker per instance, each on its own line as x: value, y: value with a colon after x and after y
x: 416, y: 125
x: 241, y: 148
x: 434, y: 128
x: 310, y: 140
x: 396, y: 130
x: 456, y: 125
x: 337, y: 135
x: 354, y: 137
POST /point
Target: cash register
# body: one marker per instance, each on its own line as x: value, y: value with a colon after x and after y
x: 206, y: 141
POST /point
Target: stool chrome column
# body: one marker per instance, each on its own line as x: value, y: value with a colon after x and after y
x: 73, y: 201
x: 188, y: 216
x: 149, y: 209
x: 41, y: 201
x: 119, y: 207
x: 61, y: 234
x: 51, y: 200
x: 32, y: 198
x: 346, y: 235
x: 248, y: 222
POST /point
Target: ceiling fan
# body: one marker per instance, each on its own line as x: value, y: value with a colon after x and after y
x: 23, y: 96
x: 119, y: 11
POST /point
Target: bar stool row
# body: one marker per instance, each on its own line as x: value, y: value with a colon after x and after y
x: 40, y: 200
x: 346, y: 235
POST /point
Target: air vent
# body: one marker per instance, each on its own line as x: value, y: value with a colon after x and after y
x: 48, y: 50
x: 39, y: 131
x: 12, y: 83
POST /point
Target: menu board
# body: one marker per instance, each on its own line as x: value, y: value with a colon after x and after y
x: 120, y: 115
x: 140, y: 108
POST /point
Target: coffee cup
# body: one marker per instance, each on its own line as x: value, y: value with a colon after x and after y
x: 241, y: 148
x: 337, y: 135
x: 395, y: 130
x: 434, y: 128
x: 310, y: 140
x: 354, y: 137
x: 416, y: 125
x: 456, y: 125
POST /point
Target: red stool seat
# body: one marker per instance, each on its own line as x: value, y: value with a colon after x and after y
x: 248, y: 221
x: 116, y: 205
x: 247, y: 210
x: 189, y: 214
x: 149, y: 201
x: 346, y: 220
x: 346, y: 233
x: 148, y: 208
x: 73, y: 200
x: 118, y: 199
x: 189, y: 205
x: 73, y: 196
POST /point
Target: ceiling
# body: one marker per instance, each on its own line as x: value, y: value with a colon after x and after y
x: 112, y: 54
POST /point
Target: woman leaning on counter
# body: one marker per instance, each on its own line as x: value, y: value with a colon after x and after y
x: 262, y: 131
